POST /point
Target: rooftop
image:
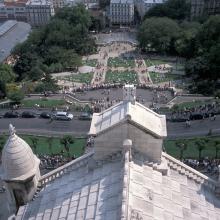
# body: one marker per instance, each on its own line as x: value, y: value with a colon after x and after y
x: 39, y: 2
x: 122, y: 1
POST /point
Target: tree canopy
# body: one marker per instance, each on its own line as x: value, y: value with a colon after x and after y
x: 174, y: 9
x: 57, y: 46
x: 158, y: 34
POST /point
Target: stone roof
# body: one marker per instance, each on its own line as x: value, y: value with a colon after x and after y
x: 18, y: 160
x: 136, y: 113
x: 120, y: 187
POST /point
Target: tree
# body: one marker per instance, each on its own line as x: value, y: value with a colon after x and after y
x: 2, y: 142
x: 2, y: 89
x: 16, y: 96
x: 6, y: 73
x: 50, y: 143
x: 200, y: 144
x: 174, y: 9
x: 34, y: 141
x: 158, y: 34
x: 66, y: 141
x: 217, y: 148
x: 182, y: 146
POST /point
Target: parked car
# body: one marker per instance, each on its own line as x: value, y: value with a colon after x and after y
x: 196, y: 116
x: 85, y: 116
x: 45, y: 115
x: 65, y: 116
x: 28, y: 114
x: 11, y: 115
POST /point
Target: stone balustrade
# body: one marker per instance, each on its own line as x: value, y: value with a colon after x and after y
x: 190, y: 172
x: 64, y: 169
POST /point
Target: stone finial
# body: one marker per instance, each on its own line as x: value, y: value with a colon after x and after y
x: 12, y: 130
x: 127, y: 143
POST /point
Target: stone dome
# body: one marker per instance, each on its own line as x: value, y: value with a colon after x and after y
x: 18, y: 160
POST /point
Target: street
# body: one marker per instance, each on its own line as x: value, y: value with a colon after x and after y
x: 78, y: 127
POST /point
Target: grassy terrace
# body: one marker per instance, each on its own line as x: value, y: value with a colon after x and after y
x: 121, y: 77
x: 80, y: 78
x: 158, y: 77
x: 210, y: 144
x: 119, y: 62
x: 92, y: 62
x: 44, y: 102
x: 43, y: 145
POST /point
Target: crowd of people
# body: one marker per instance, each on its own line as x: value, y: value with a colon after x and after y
x: 207, y: 166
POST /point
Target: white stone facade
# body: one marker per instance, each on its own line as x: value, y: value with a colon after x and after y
x: 122, y: 12
x: 39, y: 12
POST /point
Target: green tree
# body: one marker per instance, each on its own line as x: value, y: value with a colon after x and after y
x: 6, y: 73
x: 200, y: 144
x: 66, y: 141
x: 182, y: 146
x: 50, y: 143
x: 2, y: 142
x: 158, y: 34
x: 217, y: 148
x: 16, y: 96
x: 34, y: 142
x: 174, y: 9
x: 2, y: 89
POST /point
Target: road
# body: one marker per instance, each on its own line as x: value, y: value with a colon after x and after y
x: 77, y: 127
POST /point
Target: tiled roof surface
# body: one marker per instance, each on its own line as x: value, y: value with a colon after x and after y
x: 97, y: 194
x: 79, y: 195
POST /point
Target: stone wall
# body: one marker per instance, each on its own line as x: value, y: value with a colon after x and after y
x: 112, y: 141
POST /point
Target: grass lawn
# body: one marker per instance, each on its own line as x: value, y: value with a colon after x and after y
x: 44, y: 102
x: 192, y: 151
x: 121, y: 77
x: 119, y: 62
x: 80, y: 78
x: 43, y: 147
x: 92, y: 62
x: 159, y: 77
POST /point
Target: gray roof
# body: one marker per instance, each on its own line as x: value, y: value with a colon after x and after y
x: 17, y: 34
x: 81, y: 193
x: 137, y: 113
x: 122, y: 2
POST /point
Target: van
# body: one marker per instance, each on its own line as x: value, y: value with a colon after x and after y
x: 65, y: 116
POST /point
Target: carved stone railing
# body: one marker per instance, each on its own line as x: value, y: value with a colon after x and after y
x: 64, y: 169
x: 190, y: 172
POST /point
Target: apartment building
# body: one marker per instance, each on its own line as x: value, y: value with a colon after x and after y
x: 39, y: 12
x: 121, y: 12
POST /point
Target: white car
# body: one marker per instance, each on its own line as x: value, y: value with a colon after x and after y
x: 63, y: 116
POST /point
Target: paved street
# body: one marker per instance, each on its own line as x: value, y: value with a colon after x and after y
x: 77, y: 127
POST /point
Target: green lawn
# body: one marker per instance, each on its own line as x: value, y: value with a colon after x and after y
x: 121, y: 77
x: 80, y: 78
x: 44, y: 102
x: 92, y: 62
x: 159, y: 77
x: 119, y: 62
x: 43, y: 147
x: 192, y: 151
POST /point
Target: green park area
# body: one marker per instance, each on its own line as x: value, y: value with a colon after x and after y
x: 43, y: 102
x: 79, y: 78
x: 154, y: 62
x: 51, y: 145
x: 194, y: 148
x: 120, y: 62
x: 163, y: 77
x: 92, y: 62
x: 121, y: 77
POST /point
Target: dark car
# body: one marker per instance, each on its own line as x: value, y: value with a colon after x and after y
x: 85, y: 116
x: 11, y: 115
x: 178, y: 120
x: 45, y: 115
x: 28, y: 115
x: 196, y: 116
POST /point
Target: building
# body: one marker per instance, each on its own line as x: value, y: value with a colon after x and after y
x: 201, y: 8
x: 144, y: 5
x: 39, y: 12
x: 125, y: 176
x: 13, y: 10
x: 121, y: 12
